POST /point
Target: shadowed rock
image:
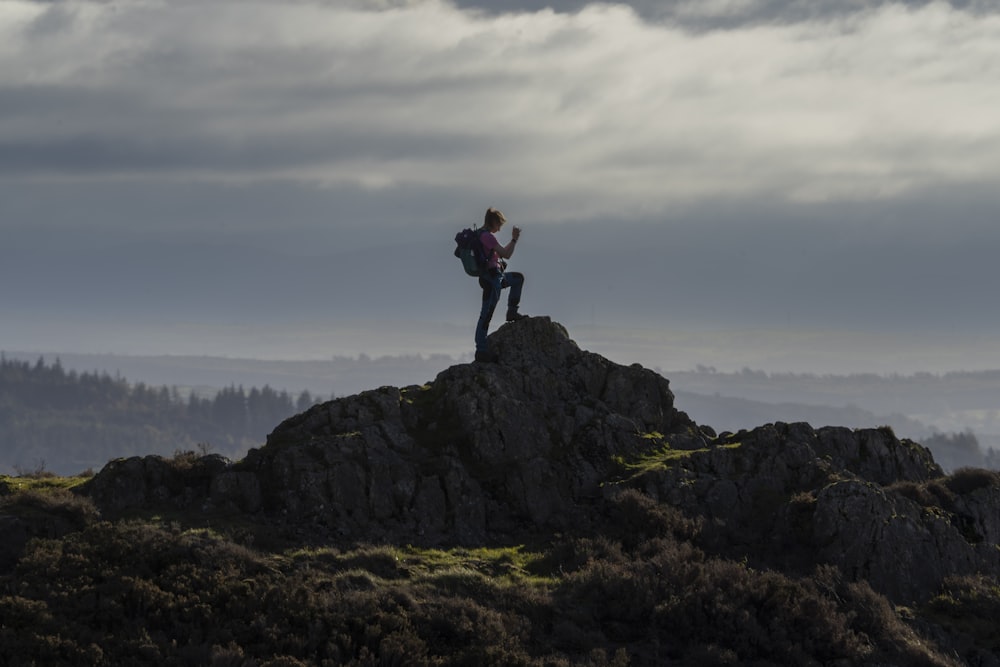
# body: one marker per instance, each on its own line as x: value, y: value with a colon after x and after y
x: 484, y: 450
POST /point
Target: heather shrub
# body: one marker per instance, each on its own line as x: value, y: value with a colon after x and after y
x: 194, y: 598
x: 674, y: 603
x: 941, y: 494
x: 932, y: 493
x: 731, y: 610
x: 945, y: 493
x: 73, y: 510
x: 915, y: 491
x: 966, y: 480
x: 893, y: 641
x: 635, y: 518
x: 570, y: 555
x: 381, y: 561
x: 897, y: 642
x: 612, y: 598
x: 639, y: 594
x: 969, y: 607
x: 465, y: 632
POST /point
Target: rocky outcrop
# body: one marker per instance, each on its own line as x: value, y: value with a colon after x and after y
x: 484, y: 450
x: 182, y: 483
x: 789, y: 496
x: 537, y: 443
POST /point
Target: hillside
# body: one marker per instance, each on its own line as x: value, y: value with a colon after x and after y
x: 552, y: 509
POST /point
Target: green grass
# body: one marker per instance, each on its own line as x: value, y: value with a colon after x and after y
x: 41, y: 483
x: 411, y: 394
x: 513, y: 564
x: 661, y: 456
x: 437, y: 568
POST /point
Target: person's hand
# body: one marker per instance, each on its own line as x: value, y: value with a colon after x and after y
x: 515, y: 233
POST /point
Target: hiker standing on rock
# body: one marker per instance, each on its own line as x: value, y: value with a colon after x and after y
x: 495, y: 279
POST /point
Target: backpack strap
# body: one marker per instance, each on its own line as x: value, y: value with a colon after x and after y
x: 486, y: 255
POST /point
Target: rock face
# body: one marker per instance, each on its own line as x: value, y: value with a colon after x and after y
x: 483, y: 450
x: 790, y: 496
x: 536, y: 443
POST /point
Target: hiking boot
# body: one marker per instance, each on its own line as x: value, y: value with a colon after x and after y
x: 487, y: 356
x: 514, y: 316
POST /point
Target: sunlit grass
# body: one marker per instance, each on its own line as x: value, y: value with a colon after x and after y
x: 41, y: 483
x: 660, y: 456
x: 514, y: 564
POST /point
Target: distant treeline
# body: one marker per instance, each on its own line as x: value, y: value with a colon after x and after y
x: 66, y: 422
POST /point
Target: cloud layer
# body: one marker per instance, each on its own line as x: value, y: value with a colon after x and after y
x: 791, y: 157
x: 592, y: 112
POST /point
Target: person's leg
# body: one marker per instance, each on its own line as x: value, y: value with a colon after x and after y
x: 491, y: 284
x: 515, y: 281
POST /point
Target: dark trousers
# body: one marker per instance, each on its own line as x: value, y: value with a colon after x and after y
x: 492, y: 283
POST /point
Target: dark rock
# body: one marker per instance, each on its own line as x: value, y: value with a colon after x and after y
x: 483, y: 450
x: 789, y: 496
x: 875, y: 535
x: 153, y: 481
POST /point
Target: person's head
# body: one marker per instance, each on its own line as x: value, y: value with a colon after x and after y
x: 494, y: 219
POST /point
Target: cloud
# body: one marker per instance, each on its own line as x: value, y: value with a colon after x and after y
x: 590, y: 112
x: 708, y: 15
x: 724, y: 164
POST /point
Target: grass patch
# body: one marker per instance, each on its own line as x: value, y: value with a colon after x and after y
x: 968, y: 605
x: 413, y: 393
x: 40, y: 483
x: 495, y: 566
x: 660, y: 457
x: 513, y: 565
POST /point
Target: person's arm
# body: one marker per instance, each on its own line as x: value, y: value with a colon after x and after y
x: 506, y: 251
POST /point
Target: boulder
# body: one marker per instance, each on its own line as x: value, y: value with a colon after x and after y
x: 483, y: 450
x: 153, y: 481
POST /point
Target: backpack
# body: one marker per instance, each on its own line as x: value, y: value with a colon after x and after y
x: 469, y: 249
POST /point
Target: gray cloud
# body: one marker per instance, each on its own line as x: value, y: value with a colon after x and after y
x: 714, y: 164
x: 700, y: 15
x: 594, y: 105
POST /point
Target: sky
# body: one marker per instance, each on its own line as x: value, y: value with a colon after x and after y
x: 780, y: 185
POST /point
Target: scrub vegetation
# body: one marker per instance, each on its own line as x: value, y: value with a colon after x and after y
x: 638, y: 590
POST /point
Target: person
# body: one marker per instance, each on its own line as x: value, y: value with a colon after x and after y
x: 495, y: 279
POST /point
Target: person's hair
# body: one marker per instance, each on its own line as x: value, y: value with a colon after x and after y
x: 493, y: 215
